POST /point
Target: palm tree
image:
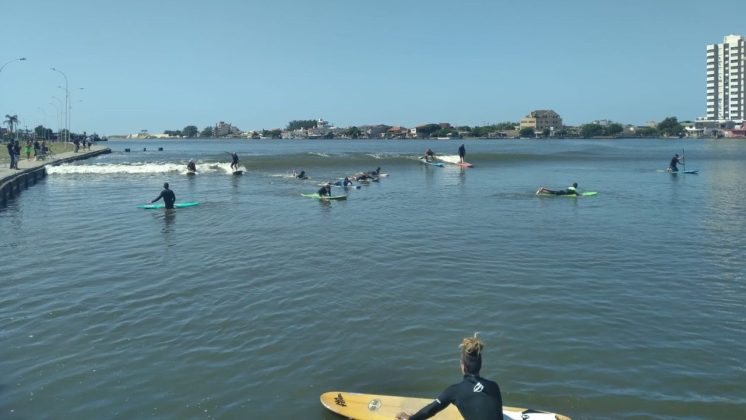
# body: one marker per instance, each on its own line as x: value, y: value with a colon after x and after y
x: 11, y: 121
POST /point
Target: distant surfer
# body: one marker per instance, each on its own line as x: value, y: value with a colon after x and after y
x: 344, y: 182
x: 365, y: 177
x: 234, y: 162
x: 326, y: 190
x: 573, y: 190
x: 191, y: 166
x: 167, y: 195
x: 376, y: 172
x: 475, y: 397
x: 429, y: 155
x: 675, y: 160
x: 302, y: 175
x: 461, y: 152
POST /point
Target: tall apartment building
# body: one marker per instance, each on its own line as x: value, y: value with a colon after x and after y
x: 726, y: 65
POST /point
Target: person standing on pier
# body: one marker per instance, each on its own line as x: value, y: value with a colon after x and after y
x: 11, y: 154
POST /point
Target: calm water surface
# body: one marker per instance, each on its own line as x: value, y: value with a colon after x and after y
x: 629, y: 304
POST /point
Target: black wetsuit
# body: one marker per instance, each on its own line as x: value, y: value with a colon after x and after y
x: 191, y: 167
x: 462, y: 152
x: 168, y: 197
x: 672, y: 166
x: 234, y: 163
x: 323, y: 191
x: 476, y: 399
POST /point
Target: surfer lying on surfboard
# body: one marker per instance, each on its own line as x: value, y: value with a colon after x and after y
x: 475, y: 397
x: 568, y: 191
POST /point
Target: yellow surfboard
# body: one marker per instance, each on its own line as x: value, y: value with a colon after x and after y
x: 385, y: 407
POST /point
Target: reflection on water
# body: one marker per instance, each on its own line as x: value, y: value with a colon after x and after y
x: 107, y: 308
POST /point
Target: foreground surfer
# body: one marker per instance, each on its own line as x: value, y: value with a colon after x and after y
x: 167, y: 195
x: 191, y: 167
x: 429, y: 155
x: 326, y: 190
x: 461, y: 152
x: 674, y: 161
x: 234, y: 162
x: 475, y: 397
x: 573, y: 190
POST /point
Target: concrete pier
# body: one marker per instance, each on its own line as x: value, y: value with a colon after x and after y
x: 13, y: 181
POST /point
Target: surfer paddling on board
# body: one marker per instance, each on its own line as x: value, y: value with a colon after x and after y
x: 167, y: 195
x: 675, y: 160
x: 475, y: 397
x: 191, y: 167
x: 234, y: 162
x: 573, y: 190
x: 302, y: 175
x: 461, y: 152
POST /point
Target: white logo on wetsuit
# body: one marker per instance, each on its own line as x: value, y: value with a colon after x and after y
x: 478, y: 387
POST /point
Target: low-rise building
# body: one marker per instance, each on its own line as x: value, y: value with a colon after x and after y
x: 541, y: 119
x: 223, y: 129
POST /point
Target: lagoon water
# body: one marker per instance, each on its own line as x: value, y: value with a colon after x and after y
x: 629, y: 304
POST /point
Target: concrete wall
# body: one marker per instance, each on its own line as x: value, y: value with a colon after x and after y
x: 14, y: 182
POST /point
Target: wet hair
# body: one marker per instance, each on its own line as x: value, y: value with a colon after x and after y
x: 165, y: 185
x: 471, y: 354
x: 575, y: 185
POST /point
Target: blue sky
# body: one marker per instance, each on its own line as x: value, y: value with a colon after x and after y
x: 161, y: 65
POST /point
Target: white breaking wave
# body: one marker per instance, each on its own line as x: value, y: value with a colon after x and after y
x: 448, y: 158
x: 139, y: 168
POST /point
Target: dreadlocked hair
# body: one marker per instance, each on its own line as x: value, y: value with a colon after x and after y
x: 471, y: 354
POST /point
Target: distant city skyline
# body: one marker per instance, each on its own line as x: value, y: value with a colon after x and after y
x: 150, y: 65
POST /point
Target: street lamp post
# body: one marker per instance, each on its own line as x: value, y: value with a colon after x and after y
x: 67, y: 104
x: 59, y: 115
x: 11, y: 61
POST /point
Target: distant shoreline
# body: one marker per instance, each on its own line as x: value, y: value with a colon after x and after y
x: 431, y: 139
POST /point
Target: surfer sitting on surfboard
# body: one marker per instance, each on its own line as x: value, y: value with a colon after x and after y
x: 167, y: 195
x: 475, y: 397
x: 325, y: 190
x: 302, y: 175
x: 191, y: 167
x: 674, y: 161
x: 569, y: 191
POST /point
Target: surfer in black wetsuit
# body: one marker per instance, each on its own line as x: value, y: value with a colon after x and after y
x: 475, y: 397
x: 376, y: 172
x: 573, y: 190
x: 462, y: 152
x: 326, y: 190
x: 429, y: 155
x: 234, y: 163
x: 674, y: 161
x: 191, y: 167
x: 167, y: 195
x: 302, y: 175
